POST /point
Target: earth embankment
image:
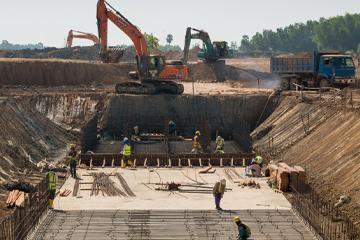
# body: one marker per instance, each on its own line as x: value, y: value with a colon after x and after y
x: 330, y: 151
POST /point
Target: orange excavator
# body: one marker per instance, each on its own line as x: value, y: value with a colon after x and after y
x: 153, y: 71
x: 81, y: 35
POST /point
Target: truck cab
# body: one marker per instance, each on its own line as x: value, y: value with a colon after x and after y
x: 336, y: 69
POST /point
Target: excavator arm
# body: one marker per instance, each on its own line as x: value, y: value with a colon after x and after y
x: 81, y: 35
x: 201, y: 34
x: 103, y: 14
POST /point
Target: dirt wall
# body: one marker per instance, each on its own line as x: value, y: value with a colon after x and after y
x: 184, y: 110
x: 58, y: 72
x: 24, y: 132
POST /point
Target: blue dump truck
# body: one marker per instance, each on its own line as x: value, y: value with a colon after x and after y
x: 317, y: 69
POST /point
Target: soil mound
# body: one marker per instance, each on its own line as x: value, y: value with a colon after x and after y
x: 177, y: 55
x: 56, y: 72
x: 303, y: 54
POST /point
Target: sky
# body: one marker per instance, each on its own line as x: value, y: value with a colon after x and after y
x: 49, y: 21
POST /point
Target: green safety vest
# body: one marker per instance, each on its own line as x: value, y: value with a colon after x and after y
x: 52, y: 181
x: 219, y: 142
x: 127, y: 151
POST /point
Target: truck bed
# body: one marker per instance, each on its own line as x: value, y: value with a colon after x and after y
x: 288, y: 65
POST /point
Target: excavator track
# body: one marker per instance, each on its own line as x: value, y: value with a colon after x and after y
x: 168, y: 87
x: 135, y: 88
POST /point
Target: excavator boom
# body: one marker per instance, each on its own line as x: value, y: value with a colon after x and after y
x: 103, y: 14
x: 84, y: 35
x: 153, y: 70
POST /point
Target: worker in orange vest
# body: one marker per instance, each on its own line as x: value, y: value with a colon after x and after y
x: 197, y: 147
x: 254, y: 170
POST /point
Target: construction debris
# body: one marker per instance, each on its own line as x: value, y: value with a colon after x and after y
x: 249, y: 182
x: 18, y: 185
x: 65, y: 192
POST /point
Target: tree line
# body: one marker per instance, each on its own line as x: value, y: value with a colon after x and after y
x: 335, y: 33
x: 6, y: 45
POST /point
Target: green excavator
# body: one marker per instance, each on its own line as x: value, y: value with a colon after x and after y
x: 211, y: 51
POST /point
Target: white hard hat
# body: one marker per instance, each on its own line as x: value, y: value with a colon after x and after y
x: 223, y: 181
x: 51, y: 167
x: 219, y: 137
x: 126, y: 139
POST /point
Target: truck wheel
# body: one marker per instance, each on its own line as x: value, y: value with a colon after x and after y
x: 296, y: 81
x: 324, y: 84
x: 285, y: 84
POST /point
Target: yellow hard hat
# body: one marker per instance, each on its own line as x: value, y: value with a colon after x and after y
x: 72, y: 145
x: 237, y: 219
x: 197, y: 133
x: 170, y: 122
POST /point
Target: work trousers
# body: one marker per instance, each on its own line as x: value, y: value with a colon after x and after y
x: 217, y: 199
x: 73, y: 169
x: 52, y: 194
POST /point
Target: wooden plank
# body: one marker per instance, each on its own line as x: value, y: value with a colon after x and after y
x: 212, y: 170
x: 205, y: 170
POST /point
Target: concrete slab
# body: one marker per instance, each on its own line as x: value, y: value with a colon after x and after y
x: 198, y: 199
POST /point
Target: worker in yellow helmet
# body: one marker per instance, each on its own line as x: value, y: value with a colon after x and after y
x: 259, y: 160
x: 72, y: 160
x: 51, y: 178
x: 172, y: 128
x: 197, y: 147
x: 244, y: 230
x: 126, y: 153
x: 135, y: 134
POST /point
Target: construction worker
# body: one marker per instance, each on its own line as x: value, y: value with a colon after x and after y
x: 126, y: 153
x: 254, y: 170
x: 220, y: 143
x: 51, y: 178
x: 135, y: 134
x: 72, y: 160
x: 197, y: 146
x: 259, y: 160
x: 218, y: 192
x: 244, y: 230
x: 172, y: 128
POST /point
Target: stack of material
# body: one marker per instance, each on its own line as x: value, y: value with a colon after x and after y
x: 273, y: 171
x: 208, y: 170
x: 293, y: 174
x: 283, y: 179
x: 301, y: 172
x: 16, y: 198
x: 250, y: 183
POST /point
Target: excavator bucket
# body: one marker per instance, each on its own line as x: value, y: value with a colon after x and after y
x: 112, y: 55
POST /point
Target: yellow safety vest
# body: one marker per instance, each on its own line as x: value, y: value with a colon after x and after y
x: 195, y: 144
x: 52, y: 181
x: 127, y: 151
x: 219, y: 143
x: 219, y: 188
x: 73, y: 158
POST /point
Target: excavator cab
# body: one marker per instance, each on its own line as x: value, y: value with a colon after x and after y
x: 220, y: 49
x: 151, y: 66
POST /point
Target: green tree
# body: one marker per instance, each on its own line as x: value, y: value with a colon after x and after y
x: 245, y: 45
x: 169, y: 38
x: 358, y: 49
x: 151, y: 41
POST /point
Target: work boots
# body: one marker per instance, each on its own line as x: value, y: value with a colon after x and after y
x: 51, y: 203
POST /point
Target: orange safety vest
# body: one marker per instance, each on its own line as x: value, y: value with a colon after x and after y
x: 257, y: 169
